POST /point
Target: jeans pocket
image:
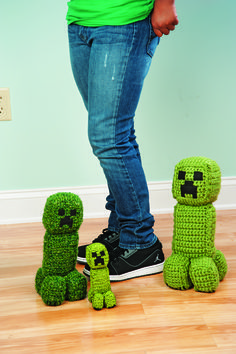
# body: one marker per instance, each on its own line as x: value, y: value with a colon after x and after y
x: 153, y: 40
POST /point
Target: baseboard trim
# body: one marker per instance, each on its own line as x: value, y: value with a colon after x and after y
x: 26, y: 206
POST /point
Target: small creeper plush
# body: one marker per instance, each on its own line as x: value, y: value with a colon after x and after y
x: 100, y: 294
x: 58, y: 279
x: 195, y: 260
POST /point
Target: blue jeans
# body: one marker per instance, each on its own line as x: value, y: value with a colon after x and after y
x: 110, y: 64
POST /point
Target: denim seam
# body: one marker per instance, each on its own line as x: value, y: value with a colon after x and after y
x: 115, y: 121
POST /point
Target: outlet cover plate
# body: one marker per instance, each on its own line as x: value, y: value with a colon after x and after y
x: 5, y: 105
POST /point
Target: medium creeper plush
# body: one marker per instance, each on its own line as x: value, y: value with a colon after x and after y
x: 195, y: 260
x: 100, y: 294
x: 58, y: 279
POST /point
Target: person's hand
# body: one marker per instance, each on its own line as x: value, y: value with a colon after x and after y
x: 164, y: 17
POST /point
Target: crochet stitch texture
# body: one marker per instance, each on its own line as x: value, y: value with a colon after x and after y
x: 58, y: 279
x: 100, y: 294
x: 195, y: 260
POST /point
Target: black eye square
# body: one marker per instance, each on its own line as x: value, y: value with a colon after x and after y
x: 198, y: 176
x: 102, y: 253
x: 61, y: 212
x: 182, y: 175
x: 73, y: 212
x: 94, y: 254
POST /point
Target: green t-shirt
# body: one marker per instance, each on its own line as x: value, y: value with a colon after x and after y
x: 95, y: 13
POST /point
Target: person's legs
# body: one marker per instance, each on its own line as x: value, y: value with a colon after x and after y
x: 118, y: 65
x: 109, y: 66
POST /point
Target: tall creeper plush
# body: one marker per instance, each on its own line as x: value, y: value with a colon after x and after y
x: 100, y: 294
x: 58, y: 279
x: 195, y: 260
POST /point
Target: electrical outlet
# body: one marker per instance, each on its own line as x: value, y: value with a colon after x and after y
x: 5, y: 106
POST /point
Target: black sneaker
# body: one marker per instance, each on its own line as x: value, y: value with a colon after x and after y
x: 108, y: 238
x: 128, y: 264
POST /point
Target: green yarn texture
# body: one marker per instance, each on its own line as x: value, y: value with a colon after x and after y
x: 58, y: 279
x: 194, y: 261
x: 100, y: 293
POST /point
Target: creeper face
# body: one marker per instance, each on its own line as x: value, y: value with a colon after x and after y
x: 97, y: 255
x: 196, y: 181
x: 63, y: 213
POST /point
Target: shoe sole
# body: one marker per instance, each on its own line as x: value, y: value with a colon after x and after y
x: 142, y: 272
x: 81, y: 260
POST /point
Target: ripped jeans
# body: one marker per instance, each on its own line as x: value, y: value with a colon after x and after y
x: 109, y: 64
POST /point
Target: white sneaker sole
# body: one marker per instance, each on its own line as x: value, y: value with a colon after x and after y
x: 154, y: 269
x: 81, y: 260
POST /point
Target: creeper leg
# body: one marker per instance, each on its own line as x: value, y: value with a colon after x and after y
x: 204, y: 274
x: 110, y: 299
x: 176, y: 272
x: 98, y: 301
x: 53, y: 290
x: 76, y: 286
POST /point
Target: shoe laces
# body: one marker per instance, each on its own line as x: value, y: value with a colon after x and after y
x: 118, y: 251
x: 105, y: 234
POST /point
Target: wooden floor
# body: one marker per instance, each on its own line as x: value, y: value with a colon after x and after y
x: 149, y: 318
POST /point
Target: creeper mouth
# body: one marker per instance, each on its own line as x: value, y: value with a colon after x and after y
x: 189, y: 188
x: 99, y: 260
x: 66, y: 221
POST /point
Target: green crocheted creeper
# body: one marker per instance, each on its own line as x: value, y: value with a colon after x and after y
x: 100, y: 294
x: 195, y: 260
x: 58, y: 279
